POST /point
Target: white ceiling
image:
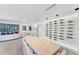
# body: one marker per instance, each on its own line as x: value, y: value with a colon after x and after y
x: 26, y: 13
x: 60, y: 9
x: 30, y: 13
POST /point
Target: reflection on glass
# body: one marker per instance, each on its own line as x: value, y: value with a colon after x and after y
x: 8, y: 29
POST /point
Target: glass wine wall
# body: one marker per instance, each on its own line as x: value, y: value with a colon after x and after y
x: 50, y: 30
x: 60, y: 29
x: 7, y: 29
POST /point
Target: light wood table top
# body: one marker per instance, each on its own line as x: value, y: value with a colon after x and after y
x: 41, y: 45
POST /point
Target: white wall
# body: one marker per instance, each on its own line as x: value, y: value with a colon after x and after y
x: 72, y: 44
x: 42, y: 29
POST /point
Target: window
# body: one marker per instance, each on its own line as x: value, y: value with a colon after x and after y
x: 8, y: 29
x: 30, y: 28
x: 24, y: 28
